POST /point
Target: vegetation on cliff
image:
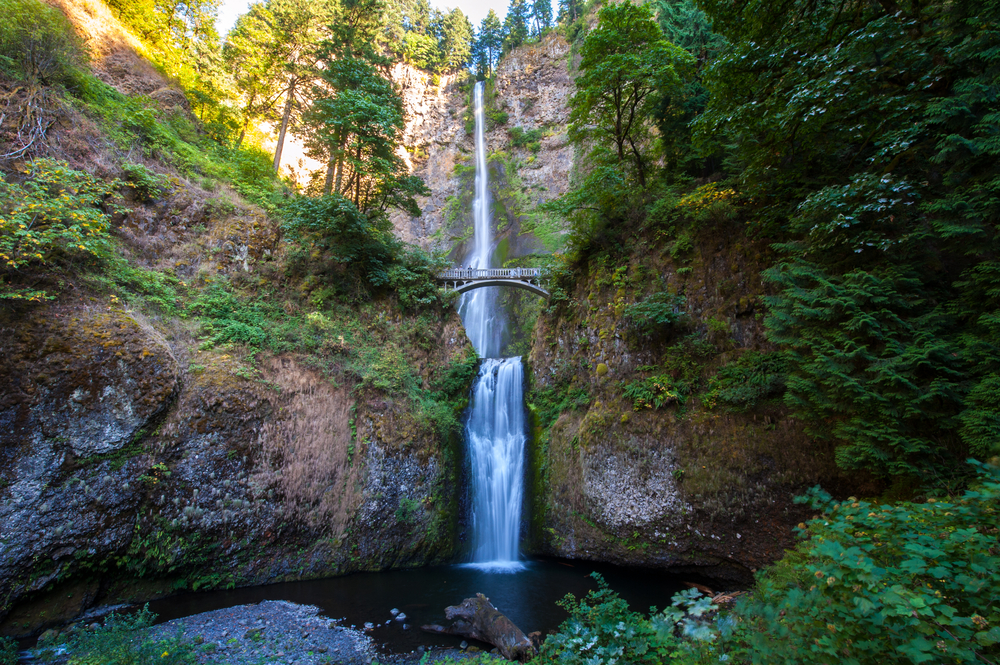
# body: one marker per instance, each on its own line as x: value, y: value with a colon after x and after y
x: 845, y: 151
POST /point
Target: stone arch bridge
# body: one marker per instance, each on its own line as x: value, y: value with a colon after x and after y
x: 466, y: 279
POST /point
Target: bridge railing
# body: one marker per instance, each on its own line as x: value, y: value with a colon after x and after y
x: 490, y: 273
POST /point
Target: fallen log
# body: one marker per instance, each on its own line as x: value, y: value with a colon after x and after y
x: 476, y: 618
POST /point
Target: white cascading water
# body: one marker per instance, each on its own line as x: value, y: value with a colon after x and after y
x: 495, y: 431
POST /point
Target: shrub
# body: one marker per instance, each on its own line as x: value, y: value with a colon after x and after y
x: 656, y: 314
x: 53, y: 215
x: 227, y: 319
x: 148, y: 185
x: 350, y: 240
x: 8, y: 651
x: 37, y: 44
x: 496, y: 118
x: 602, y: 630
x: 412, y: 276
x: 654, y: 392
x: 123, y: 640
x: 753, y: 377
x: 531, y: 139
x: 910, y: 582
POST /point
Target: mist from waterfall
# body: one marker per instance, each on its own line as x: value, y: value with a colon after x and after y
x: 495, y: 431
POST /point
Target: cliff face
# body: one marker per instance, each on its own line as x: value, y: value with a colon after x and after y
x: 644, y: 453
x: 139, y: 457
x: 528, y: 93
x: 134, y: 463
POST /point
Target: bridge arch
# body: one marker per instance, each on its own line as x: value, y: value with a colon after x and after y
x: 467, y: 279
x: 513, y: 283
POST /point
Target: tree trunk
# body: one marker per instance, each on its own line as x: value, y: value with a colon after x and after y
x: 243, y: 133
x: 331, y: 165
x: 285, y: 117
x: 477, y: 619
x: 341, y: 140
x: 357, y: 183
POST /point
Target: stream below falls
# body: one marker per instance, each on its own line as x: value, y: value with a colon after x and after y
x: 528, y: 597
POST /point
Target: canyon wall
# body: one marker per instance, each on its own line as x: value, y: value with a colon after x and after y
x: 529, y: 92
x: 132, y: 463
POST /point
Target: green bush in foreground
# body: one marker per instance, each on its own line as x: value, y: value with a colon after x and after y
x: 8, y: 651
x: 55, y: 214
x: 124, y: 640
x: 910, y: 582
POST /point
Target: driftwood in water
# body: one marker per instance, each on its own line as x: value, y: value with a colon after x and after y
x: 476, y: 618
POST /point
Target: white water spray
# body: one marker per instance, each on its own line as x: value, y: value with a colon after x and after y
x: 495, y: 431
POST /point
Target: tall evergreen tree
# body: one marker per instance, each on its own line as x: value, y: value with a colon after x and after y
x: 255, y: 66
x: 489, y: 41
x: 515, y: 24
x: 570, y: 11
x: 541, y: 16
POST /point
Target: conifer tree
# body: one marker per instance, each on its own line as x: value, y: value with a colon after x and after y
x: 489, y: 41
x: 515, y: 24
x: 541, y: 16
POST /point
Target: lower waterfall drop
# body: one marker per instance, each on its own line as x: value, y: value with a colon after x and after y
x: 495, y: 433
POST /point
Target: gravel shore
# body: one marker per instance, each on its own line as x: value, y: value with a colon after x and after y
x: 273, y: 632
x: 278, y: 632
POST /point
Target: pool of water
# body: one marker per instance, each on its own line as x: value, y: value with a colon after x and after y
x: 527, y: 596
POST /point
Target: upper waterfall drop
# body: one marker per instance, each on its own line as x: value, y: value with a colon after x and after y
x: 484, y: 323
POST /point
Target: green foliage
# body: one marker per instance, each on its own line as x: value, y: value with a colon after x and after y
x: 624, y: 63
x: 123, y: 640
x: 656, y: 314
x: 412, y: 278
x: 53, y: 215
x: 148, y: 185
x: 353, y: 242
x: 870, y: 364
x: 530, y: 139
x: 362, y: 252
x: 751, y: 378
x: 866, y: 141
x: 913, y: 582
x: 228, y: 319
x: 654, y: 392
x: 38, y: 45
x: 496, y: 118
x: 602, y: 630
x: 137, y: 121
x: 8, y: 651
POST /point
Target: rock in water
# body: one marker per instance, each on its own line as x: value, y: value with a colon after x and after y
x: 478, y: 619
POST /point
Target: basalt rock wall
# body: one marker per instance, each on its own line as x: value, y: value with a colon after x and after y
x: 133, y: 463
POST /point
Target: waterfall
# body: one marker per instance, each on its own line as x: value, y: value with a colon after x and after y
x: 495, y: 431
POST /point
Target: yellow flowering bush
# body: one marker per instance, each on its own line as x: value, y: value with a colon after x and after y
x: 54, y: 213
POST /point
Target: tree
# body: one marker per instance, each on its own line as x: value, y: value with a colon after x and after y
x: 570, y: 11
x: 541, y: 15
x: 255, y: 66
x: 456, y: 41
x: 297, y: 27
x: 489, y: 41
x: 688, y: 27
x: 624, y: 62
x: 356, y: 118
x: 515, y: 25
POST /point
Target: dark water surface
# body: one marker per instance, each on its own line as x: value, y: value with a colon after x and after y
x: 528, y: 597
